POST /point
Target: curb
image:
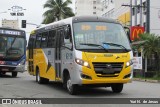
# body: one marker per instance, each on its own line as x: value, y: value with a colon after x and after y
x: 146, y: 80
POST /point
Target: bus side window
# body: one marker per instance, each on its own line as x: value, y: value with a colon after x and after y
x: 51, y: 39
x: 38, y: 40
x: 67, y: 34
x: 62, y: 37
x: 67, y: 37
x: 44, y: 40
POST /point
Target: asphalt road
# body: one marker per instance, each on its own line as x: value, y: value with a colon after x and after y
x: 25, y: 86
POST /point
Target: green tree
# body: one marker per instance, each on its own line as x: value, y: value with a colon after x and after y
x: 151, y: 46
x: 57, y: 10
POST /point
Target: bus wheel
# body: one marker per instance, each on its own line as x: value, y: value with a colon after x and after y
x: 41, y: 80
x: 117, y: 88
x: 3, y: 73
x: 14, y: 74
x: 72, y: 88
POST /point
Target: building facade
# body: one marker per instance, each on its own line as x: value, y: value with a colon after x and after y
x: 140, y: 18
x: 88, y: 7
x: 127, y: 12
x: 114, y: 9
x: 10, y: 23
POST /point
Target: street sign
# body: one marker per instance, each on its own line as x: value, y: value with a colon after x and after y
x: 17, y: 14
x: 137, y: 62
x: 135, y: 31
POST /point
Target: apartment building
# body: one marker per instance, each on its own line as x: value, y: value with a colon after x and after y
x: 10, y: 23
x: 88, y: 7
x: 114, y: 9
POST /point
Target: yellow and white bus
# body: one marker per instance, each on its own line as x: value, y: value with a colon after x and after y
x: 84, y: 50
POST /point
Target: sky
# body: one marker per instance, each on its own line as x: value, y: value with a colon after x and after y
x: 33, y: 13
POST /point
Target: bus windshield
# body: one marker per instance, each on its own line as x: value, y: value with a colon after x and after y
x: 11, y: 47
x: 100, y: 36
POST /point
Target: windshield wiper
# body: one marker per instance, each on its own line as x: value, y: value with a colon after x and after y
x: 90, y: 44
x: 118, y: 45
x: 11, y: 45
x: 13, y: 41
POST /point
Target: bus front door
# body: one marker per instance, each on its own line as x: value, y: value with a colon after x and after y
x: 58, y: 61
x: 30, y: 55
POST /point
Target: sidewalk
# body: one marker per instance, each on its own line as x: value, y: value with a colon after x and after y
x: 146, y: 80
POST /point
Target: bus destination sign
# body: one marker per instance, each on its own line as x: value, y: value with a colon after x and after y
x: 10, y: 32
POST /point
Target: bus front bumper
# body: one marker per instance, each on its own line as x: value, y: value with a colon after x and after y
x: 8, y: 68
x: 105, y: 81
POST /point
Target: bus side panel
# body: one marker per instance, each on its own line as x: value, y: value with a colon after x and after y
x: 45, y: 66
x: 68, y: 62
x: 49, y: 55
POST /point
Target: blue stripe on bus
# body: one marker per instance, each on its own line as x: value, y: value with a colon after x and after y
x: 15, y: 63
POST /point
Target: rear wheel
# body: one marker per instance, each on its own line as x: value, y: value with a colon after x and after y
x: 39, y: 79
x: 117, y: 88
x: 72, y: 88
x: 14, y: 74
x: 3, y: 73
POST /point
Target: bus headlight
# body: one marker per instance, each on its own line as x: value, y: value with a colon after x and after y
x: 129, y: 63
x: 22, y: 62
x: 82, y: 62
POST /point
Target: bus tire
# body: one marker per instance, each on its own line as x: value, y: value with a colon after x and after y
x: 14, y: 74
x: 3, y: 73
x: 72, y: 88
x: 117, y: 88
x: 39, y: 79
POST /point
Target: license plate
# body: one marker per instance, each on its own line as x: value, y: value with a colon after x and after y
x: 5, y: 69
x: 108, y: 71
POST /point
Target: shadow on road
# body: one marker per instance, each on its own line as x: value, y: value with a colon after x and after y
x: 84, y: 91
x: 7, y: 76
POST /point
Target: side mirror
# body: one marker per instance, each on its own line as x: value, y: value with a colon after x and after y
x: 67, y: 32
x: 127, y: 30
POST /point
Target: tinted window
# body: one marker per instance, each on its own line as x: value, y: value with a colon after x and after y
x: 44, y: 40
x: 52, y: 39
x: 38, y: 41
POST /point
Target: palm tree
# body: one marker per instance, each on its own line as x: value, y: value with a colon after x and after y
x: 57, y: 10
x: 151, y: 46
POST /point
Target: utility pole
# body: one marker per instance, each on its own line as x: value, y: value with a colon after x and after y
x: 130, y: 14
x: 148, y: 16
x: 135, y: 11
x: 141, y: 13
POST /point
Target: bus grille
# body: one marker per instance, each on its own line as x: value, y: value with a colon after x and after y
x: 107, y: 69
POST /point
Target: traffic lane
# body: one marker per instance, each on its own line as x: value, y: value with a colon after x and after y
x: 26, y: 86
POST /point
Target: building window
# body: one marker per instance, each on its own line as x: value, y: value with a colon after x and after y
x: 94, y: 2
x: 94, y: 12
x: 94, y: 7
x: 133, y: 11
x: 138, y: 9
x: 144, y: 8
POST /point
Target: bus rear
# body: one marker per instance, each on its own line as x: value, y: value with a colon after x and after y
x: 12, y: 51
